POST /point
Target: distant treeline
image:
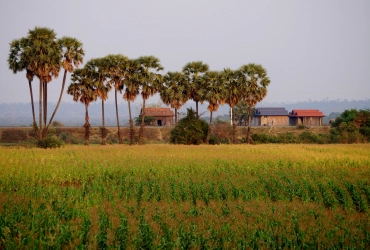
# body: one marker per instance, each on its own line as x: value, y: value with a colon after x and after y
x: 72, y: 114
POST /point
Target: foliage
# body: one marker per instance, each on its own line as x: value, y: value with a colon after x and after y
x: 50, y: 142
x: 352, y: 126
x: 147, y: 120
x: 190, y: 130
x: 57, y: 124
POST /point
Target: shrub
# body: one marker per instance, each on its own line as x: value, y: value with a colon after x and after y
x: 190, y: 130
x: 50, y: 142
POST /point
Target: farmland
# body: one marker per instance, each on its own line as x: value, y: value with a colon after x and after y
x: 165, y: 196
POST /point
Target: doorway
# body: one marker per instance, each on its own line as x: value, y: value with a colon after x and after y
x: 159, y: 122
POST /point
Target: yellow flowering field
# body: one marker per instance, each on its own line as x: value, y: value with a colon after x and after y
x: 185, y: 197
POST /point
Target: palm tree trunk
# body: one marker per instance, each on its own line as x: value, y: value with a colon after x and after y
x: 60, y: 98
x: 34, y: 124
x: 132, y: 132
x: 40, y: 111
x: 45, y: 103
x: 234, y: 125
x: 45, y: 129
x: 249, y: 125
x: 87, y: 125
x: 209, y: 129
x: 141, y: 131
x: 103, y: 129
x: 196, y: 108
x: 175, y: 117
x: 118, y: 127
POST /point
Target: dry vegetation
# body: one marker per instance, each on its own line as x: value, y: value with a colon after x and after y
x: 170, y: 196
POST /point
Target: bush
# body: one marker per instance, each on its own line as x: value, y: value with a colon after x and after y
x: 50, y: 142
x: 190, y: 130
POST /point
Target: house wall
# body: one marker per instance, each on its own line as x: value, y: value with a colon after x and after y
x: 267, y: 120
x: 306, y: 121
x: 166, y: 120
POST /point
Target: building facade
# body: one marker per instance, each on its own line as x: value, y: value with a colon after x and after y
x: 305, y: 117
x: 270, y: 117
x: 162, y: 116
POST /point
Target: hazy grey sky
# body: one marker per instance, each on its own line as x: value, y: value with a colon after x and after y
x: 313, y: 49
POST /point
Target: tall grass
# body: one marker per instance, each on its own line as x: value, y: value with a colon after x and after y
x: 168, y: 196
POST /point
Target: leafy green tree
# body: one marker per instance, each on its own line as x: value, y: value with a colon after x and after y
x: 213, y: 91
x: 174, y: 91
x: 193, y: 71
x: 148, y: 120
x: 255, y: 81
x: 150, y: 81
x: 83, y: 89
x: 190, y: 130
x: 241, y: 112
x: 351, y: 125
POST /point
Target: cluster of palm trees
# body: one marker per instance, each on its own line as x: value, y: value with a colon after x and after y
x: 128, y: 77
x: 42, y: 55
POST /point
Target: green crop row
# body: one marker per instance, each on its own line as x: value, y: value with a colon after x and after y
x: 206, y: 197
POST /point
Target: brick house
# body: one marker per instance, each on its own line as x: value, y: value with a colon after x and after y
x: 163, y: 116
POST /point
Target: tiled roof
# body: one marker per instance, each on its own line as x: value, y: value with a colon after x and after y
x: 306, y: 113
x: 158, y: 112
x: 270, y: 112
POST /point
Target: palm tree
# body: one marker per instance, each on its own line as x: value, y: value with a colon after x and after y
x: 233, y: 92
x: 174, y: 91
x: 82, y: 89
x: 72, y: 55
x: 115, y: 69
x: 193, y: 71
x: 255, y: 81
x: 17, y: 62
x: 95, y: 69
x: 213, y: 91
x: 41, y: 56
x: 150, y: 81
x: 132, y: 83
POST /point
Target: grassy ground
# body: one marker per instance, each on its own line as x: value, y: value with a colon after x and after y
x: 171, y: 196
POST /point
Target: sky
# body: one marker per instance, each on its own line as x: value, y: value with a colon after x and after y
x: 312, y: 50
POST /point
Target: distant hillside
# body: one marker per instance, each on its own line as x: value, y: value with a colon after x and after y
x: 72, y: 114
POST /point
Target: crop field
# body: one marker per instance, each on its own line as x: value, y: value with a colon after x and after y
x: 185, y: 197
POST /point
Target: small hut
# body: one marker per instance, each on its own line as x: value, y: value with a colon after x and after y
x: 162, y: 116
x: 270, y: 116
x: 306, y: 117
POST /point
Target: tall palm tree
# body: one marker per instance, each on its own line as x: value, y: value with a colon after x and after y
x: 174, y: 91
x: 72, y: 57
x: 213, y: 91
x: 150, y: 81
x: 115, y: 69
x: 41, y: 56
x: 83, y: 89
x: 193, y: 71
x: 132, y: 84
x: 234, y: 90
x: 17, y: 62
x: 95, y: 69
x: 255, y: 80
